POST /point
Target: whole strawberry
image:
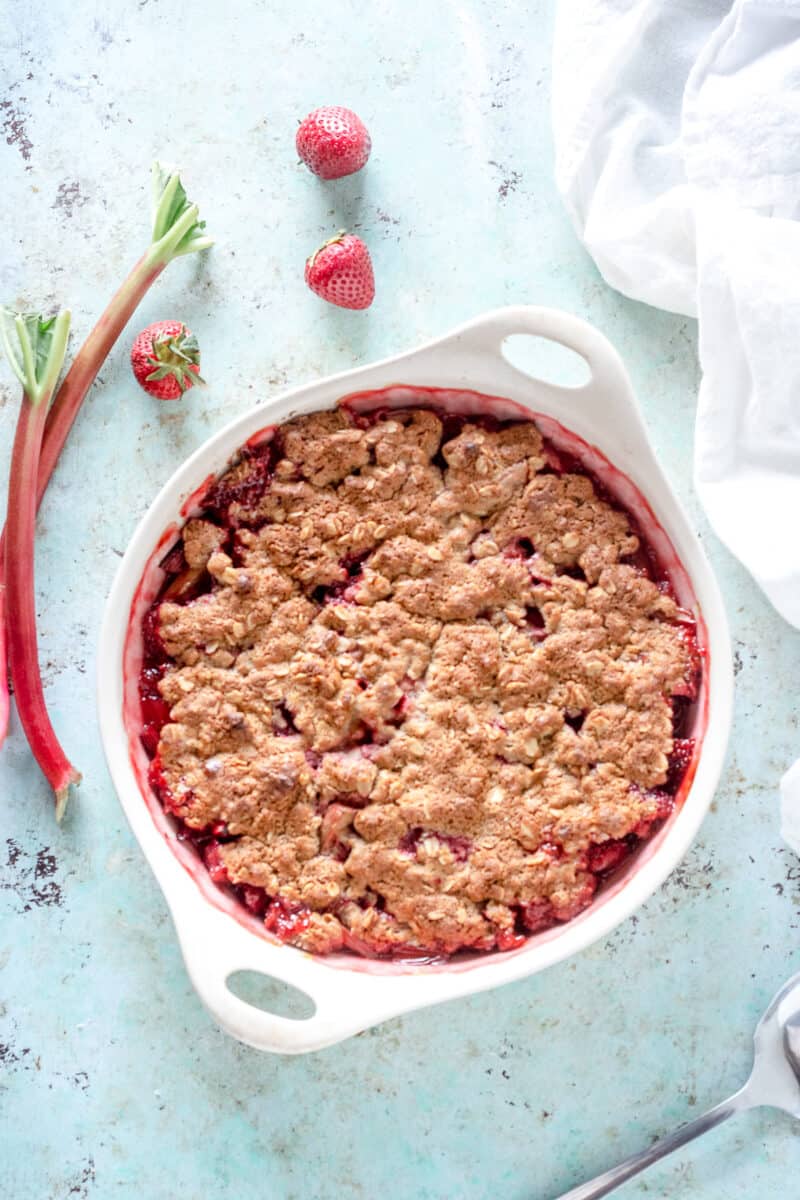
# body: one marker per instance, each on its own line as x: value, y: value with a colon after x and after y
x: 166, y: 360
x: 333, y: 142
x: 341, y: 272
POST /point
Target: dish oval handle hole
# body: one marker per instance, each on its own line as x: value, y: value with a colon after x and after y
x: 271, y: 995
x: 546, y: 360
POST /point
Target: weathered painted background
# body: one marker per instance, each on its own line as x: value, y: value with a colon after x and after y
x: 114, y: 1081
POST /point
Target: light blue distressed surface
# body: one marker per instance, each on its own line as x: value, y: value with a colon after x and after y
x: 114, y: 1081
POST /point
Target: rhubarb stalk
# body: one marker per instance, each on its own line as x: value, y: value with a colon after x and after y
x: 42, y: 346
x: 177, y: 230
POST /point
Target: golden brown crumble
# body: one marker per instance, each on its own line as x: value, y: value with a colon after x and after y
x: 423, y: 685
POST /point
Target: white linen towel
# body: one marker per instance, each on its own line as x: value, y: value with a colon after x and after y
x: 677, y: 132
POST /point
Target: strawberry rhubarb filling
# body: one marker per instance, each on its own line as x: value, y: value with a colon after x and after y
x: 414, y: 684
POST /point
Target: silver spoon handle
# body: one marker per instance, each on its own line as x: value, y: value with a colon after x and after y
x: 605, y: 1183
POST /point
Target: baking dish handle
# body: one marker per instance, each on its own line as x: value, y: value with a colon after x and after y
x: 609, y: 385
x: 218, y: 948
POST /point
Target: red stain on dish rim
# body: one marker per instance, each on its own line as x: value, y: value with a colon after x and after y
x: 192, y: 501
x: 465, y: 403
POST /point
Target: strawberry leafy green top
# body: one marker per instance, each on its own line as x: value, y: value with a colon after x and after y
x: 176, y: 230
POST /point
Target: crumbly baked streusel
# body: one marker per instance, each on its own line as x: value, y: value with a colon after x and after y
x: 411, y: 684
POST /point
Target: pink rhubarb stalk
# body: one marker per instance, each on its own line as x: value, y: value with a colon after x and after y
x: 43, y: 345
x: 177, y: 230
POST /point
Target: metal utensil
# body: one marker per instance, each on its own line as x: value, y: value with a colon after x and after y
x: 774, y: 1082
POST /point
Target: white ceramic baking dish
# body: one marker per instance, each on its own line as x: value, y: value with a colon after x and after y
x: 350, y: 994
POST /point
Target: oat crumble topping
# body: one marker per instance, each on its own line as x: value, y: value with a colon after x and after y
x: 411, y: 686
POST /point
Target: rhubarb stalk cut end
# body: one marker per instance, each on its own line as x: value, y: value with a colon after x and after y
x: 62, y: 795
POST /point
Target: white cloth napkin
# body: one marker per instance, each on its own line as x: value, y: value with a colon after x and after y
x: 677, y: 131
